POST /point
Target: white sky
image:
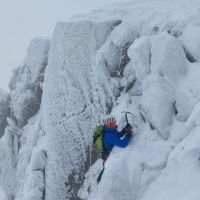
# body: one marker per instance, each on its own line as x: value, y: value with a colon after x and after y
x: 22, y: 20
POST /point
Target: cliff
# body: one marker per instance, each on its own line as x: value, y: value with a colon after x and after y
x: 140, y: 56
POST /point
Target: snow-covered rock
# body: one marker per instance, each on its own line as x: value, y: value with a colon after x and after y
x: 140, y: 55
x: 30, y: 176
x: 183, y: 106
x: 26, y: 83
x: 9, y: 145
x: 134, y: 56
x: 157, y: 104
x: 36, y: 58
x: 190, y: 40
x: 184, y: 164
x: 70, y: 102
x: 168, y: 58
x: 4, y: 110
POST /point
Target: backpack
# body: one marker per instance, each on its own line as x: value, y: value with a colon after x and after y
x: 98, y: 138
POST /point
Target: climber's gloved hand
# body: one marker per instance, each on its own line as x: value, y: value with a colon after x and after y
x: 128, y: 130
x: 129, y: 133
x: 124, y: 129
x: 128, y: 126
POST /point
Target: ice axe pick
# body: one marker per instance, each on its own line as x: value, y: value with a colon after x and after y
x: 126, y: 115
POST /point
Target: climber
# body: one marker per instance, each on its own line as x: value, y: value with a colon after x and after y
x: 107, y: 136
x: 112, y: 136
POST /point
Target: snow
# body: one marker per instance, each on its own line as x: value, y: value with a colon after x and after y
x: 184, y: 160
x: 193, y: 120
x: 30, y: 169
x: 4, y: 110
x: 70, y: 102
x: 168, y: 57
x: 8, y: 162
x: 157, y: 104
x: 190, y: 40
x: 139, y: 56
x: 37, y: 55
x: 167, y: 91
x: 26, y: 83
x: 2, y: 195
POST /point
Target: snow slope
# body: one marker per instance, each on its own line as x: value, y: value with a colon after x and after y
x: 140, y: 56
x: 2, y: 195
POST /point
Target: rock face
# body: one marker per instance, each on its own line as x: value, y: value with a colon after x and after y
x: 8, y: 162
x: 4, y: 110
x: 22, y: 104
x: 26, y: 83
x: 101, y: 63
x: 71, y: 102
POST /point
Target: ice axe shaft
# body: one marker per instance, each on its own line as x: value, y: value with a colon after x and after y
x: 100, y: 175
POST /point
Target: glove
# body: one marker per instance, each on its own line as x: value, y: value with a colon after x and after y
x: 128, y: 126
x: 128, y: 129
x: 129, y: 134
